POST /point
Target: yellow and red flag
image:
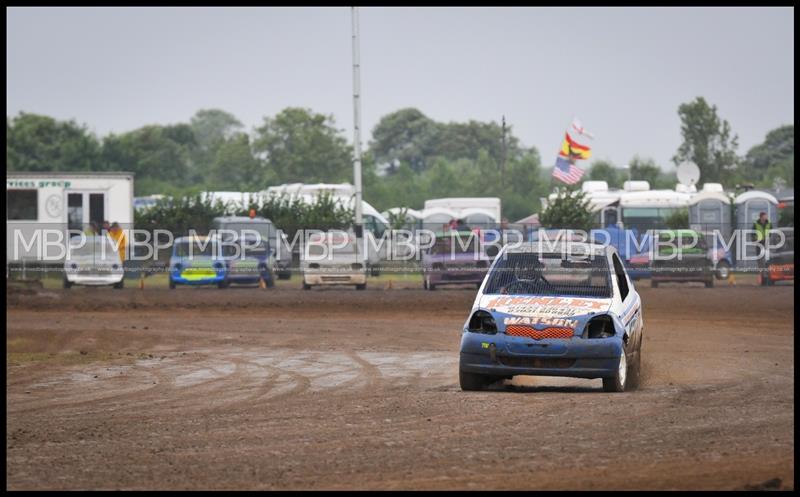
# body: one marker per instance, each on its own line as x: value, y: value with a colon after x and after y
x: 570, y: 149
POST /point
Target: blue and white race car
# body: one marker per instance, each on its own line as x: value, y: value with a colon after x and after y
x: 196, y: 260
x: 567, y: 309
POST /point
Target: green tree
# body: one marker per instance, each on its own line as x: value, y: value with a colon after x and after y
x: 569, y: 210
x: 160, y: 154
x: 300, y: 145
x: 236, y: 168
x: 603, y: 170
x: 707, y: 141
x: 213, y: 126
x: 772, y: 159
x: 41, y: 143
x: 645, y: 170
x: 466, y: 140
x: 404, y: 136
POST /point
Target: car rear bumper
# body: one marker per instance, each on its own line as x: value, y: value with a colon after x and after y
x: 94, y: 279
x: 456, y: 277
x: 500, y: 355
x: 334, y: 278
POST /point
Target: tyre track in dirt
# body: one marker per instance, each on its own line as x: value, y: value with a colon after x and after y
x: 292, y: 390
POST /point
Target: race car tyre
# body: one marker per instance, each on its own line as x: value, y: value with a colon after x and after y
x: 67, y: 283
x: 270, y: 281
x: 653, y: 284
x: 431, y: 286
x: 425, y: 284
x: 120, y: 285
x: 635, y: 372
x: 471, y: 382
x: 362, y: 286
x: 171, y: 284
x: 710, y: 283
x: 306, y: 286
x: 617, y: 383
x: 223, y: 284
x: 284, y: 275
x: 723, y: 271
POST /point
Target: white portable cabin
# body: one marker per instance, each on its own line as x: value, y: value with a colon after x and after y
x: 748, y: 206
x: 710, y: 210
x: 473, y: 210
x: 437, y: 215
x: 62, y: 201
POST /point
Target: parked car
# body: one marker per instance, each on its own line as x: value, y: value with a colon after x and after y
x: 456, y: 258
x: 780, y: 265
x: 334, y: 258
x: 196, y: 260
x: 93, y: 261
x: 683, y: 256
x: 276, y: 239
x: 564, y: 310
x: 249, y: 260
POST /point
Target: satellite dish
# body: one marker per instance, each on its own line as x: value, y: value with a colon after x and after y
x: 688, y: 174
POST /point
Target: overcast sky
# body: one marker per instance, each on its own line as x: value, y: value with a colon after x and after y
x: 622, y: 71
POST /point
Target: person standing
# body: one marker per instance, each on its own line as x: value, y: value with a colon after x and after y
x: 117, y: 234
x: 762, y: 226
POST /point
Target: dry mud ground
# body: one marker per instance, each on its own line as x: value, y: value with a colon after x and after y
x: 339, y: 389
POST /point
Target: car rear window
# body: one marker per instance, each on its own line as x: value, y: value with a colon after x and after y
x: 550, y: 275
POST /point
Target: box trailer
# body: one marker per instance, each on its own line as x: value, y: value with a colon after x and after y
x: 39, y: 205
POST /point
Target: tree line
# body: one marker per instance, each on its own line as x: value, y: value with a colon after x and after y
x: 410, y: 158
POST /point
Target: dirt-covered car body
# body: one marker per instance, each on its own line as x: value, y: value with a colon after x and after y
x: 333, y: 258
x: 249, y: 260
x: 93, y: 261
x: 548, y: 311
x: 456, y: 258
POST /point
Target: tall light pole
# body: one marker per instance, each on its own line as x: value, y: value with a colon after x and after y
x: 356, y: 117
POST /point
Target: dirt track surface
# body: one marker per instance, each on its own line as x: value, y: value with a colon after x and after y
x: 339, y: 389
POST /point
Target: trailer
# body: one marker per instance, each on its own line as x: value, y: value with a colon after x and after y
x: 42, y: 206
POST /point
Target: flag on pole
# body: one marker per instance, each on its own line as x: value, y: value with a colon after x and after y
x: 566, y: 171
x: 572, y: 149
x: 577, y: 127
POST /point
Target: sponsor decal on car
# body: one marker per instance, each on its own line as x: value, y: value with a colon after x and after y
x: 534, y: 321
x: 542, y: 307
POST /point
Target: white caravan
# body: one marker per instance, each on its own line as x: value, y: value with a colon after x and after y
x: 60, y: 202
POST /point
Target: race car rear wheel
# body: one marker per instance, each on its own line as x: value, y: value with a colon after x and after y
x: 723, y: 270
x: 67, y: 283
x: 617, y: 383
x: 471, y: 382
x: 635, y: 372
x: 362, y: 286
x: 171, y: 284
